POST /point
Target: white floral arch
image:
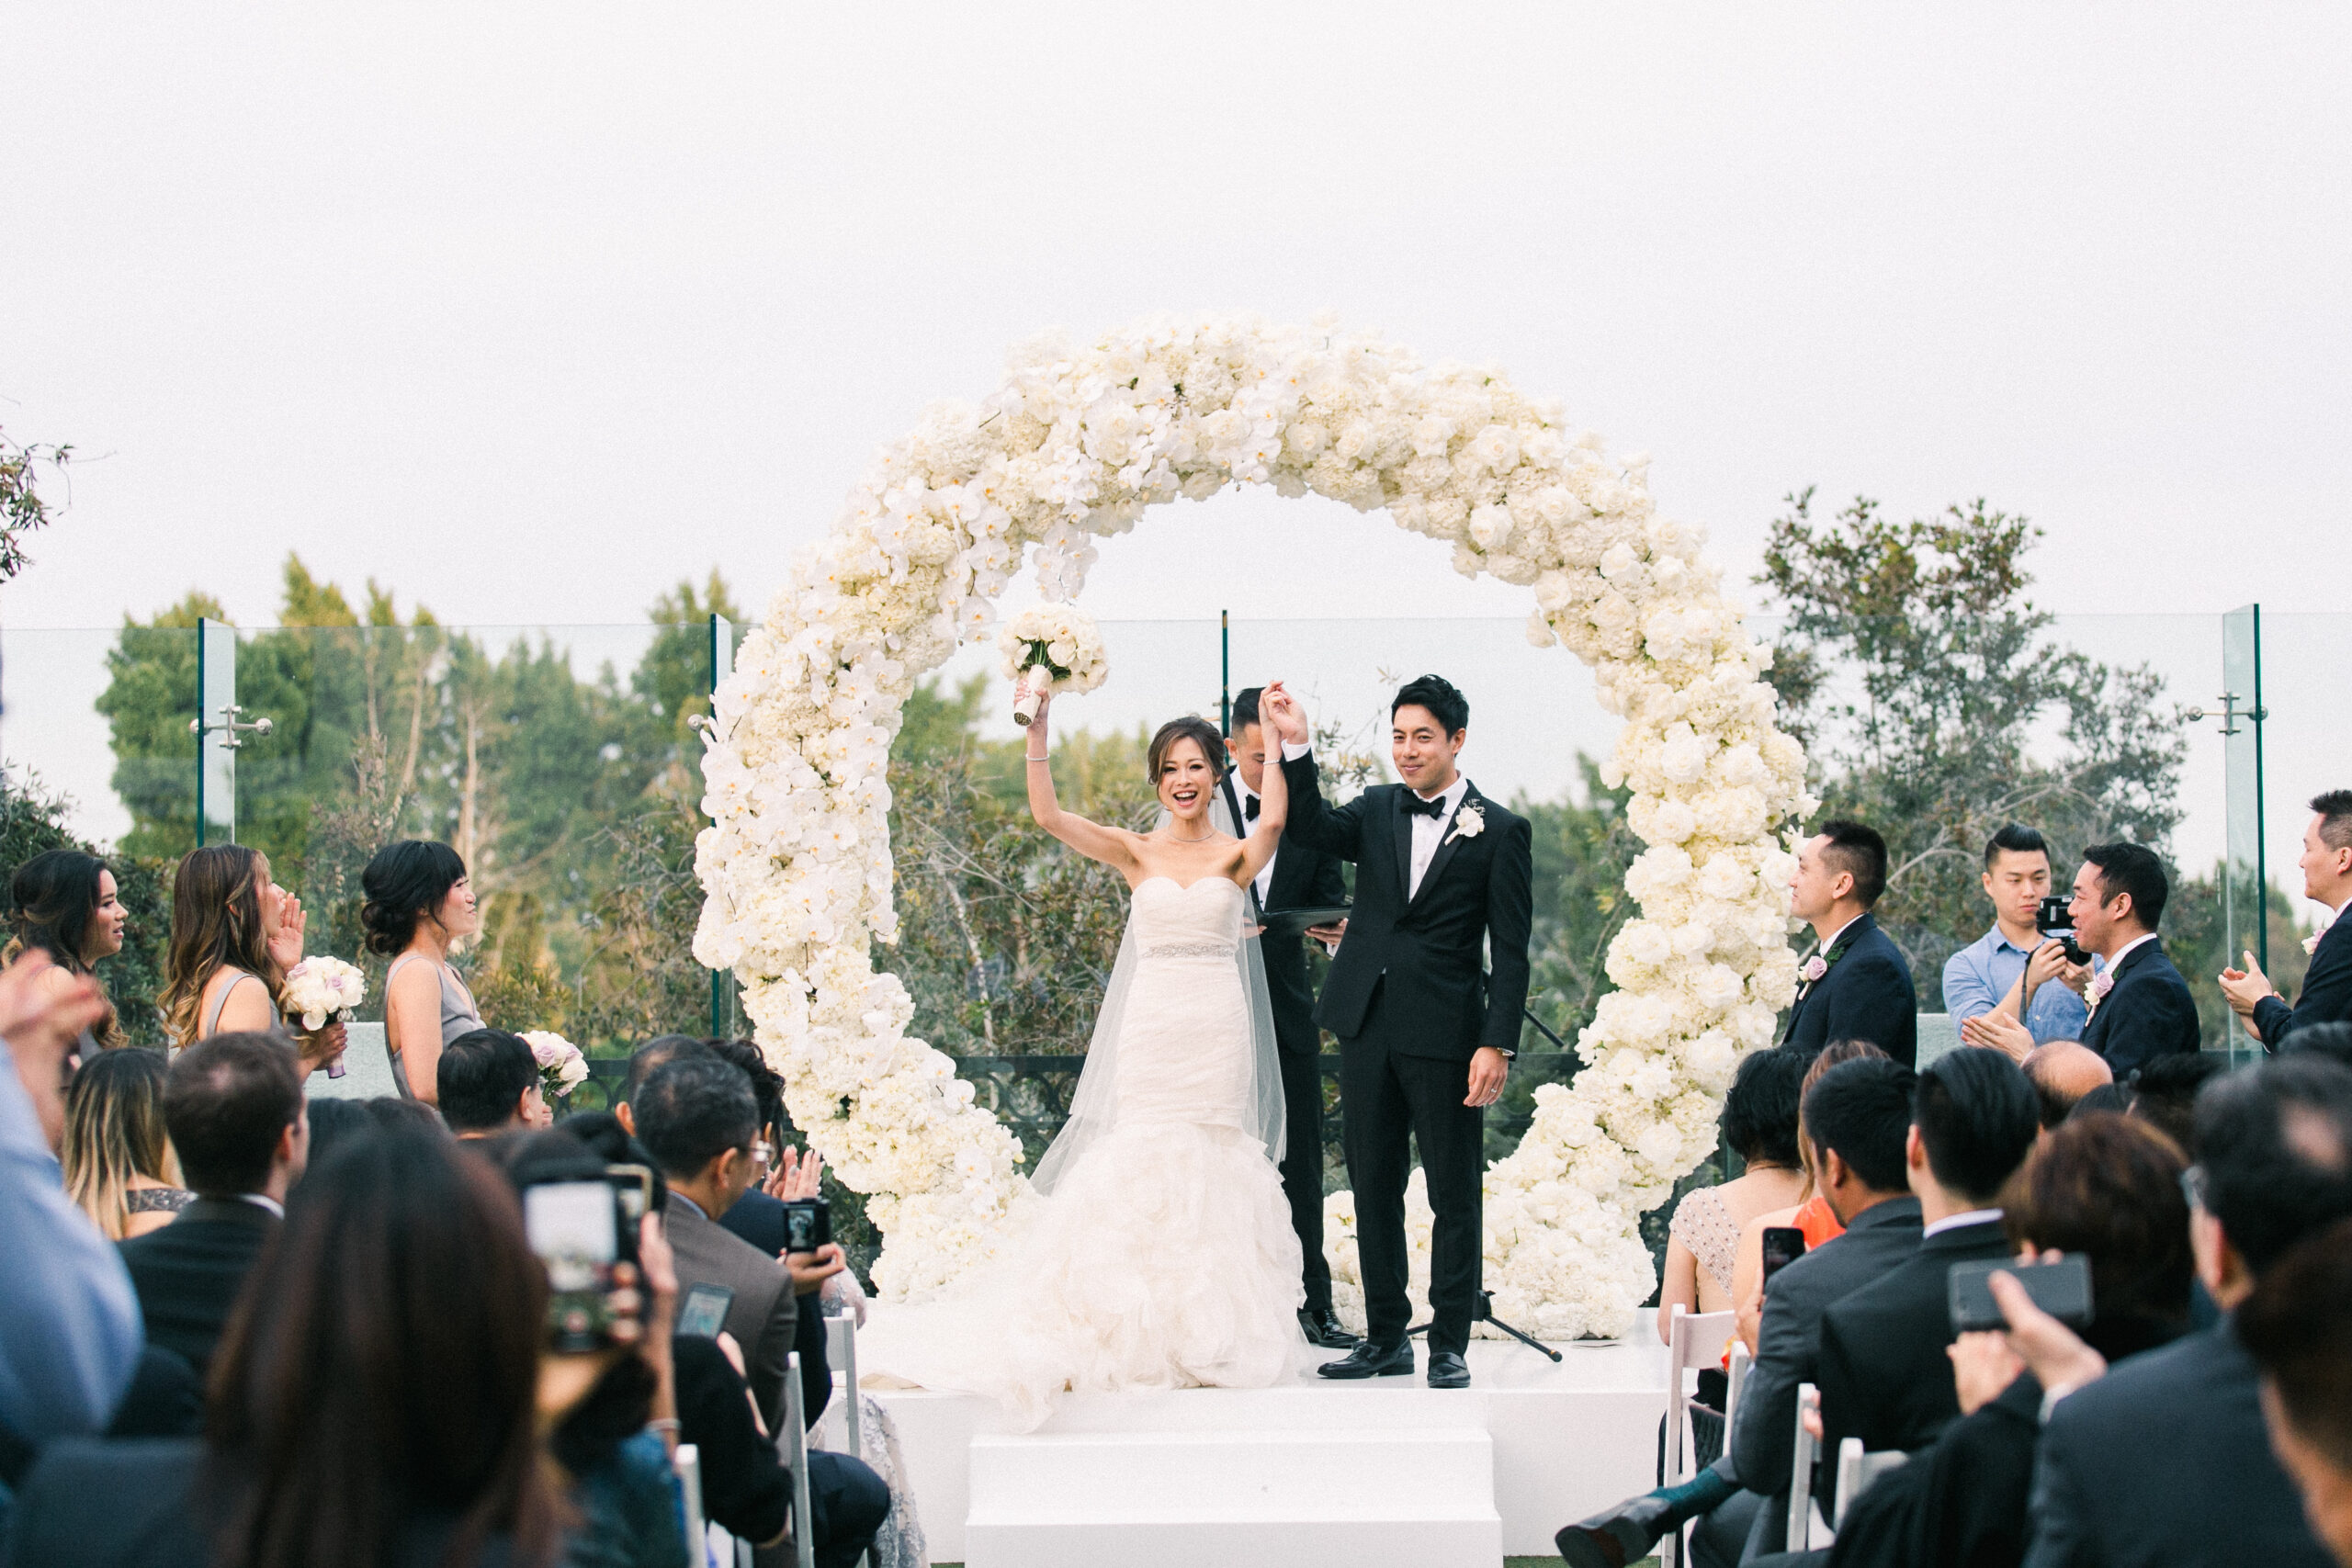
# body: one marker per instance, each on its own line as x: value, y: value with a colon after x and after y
x: 1079, y: 440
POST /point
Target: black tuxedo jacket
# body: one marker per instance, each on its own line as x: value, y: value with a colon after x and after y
x: 2328, y: 989
x: 2165, y: 1463
x: 2148, y: 1013
x: 1884, y: 1377
x: 1866, y: 994
x: 188, y: 1273
x: 1424, y: 951
x: 1304, y: 878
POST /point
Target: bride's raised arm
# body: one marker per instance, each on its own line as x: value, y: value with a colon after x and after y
x: 1274, y: 810
x: 1090, y: 838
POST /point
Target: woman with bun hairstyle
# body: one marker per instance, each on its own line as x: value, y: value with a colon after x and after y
x: 67, y: 906
x: 420, y: 904
x: 234, y: 934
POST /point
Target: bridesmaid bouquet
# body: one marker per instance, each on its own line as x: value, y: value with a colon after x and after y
x: 1049, y: 648
x: 321, y: 991
x: 561, y: 1067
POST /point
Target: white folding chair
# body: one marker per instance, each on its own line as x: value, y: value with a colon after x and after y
x: 792, y: 1443
x: 1801, y: 1470
x: 1856, y: 1471
x: 687, y: 1462
x: 841, y: 1350
x: 1737, y: 1378
x: 1693, y: 1340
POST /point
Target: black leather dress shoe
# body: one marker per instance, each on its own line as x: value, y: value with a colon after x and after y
x: 1323, y: 1329
x: 1625, y: 1534
x: 1371, y: 1360
x: 1448, y: 1369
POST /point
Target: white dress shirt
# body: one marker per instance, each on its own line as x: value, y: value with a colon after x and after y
x: 1953, y: 1222
x: 1429, y: 833
x: 2126, y: 949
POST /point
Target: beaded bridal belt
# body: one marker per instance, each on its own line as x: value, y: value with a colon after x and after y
x: 1190, y: 950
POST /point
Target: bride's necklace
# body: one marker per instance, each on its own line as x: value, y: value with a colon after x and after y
x: 1203, y: 839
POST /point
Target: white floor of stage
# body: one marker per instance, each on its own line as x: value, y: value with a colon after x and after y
x: 1299, y: 1460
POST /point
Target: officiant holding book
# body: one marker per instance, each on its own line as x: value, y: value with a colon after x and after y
x: 1298, y: 877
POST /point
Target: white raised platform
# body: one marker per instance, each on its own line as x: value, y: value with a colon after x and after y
x: 1386, y: 1470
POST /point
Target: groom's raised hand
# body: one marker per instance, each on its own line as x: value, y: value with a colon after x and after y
x: 1279, y: 710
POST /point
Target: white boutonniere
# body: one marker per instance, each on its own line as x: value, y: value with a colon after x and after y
x: 1815, y: 968
x: 1468, y: 822
x: 2101, y: 983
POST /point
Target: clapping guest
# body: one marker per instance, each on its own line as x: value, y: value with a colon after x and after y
x: 419, y: 904
x: 233, y: 1107
x: 119, y: 1164
x: 2297, y: 1325
x: 2142, y: 1009
x: 2012, y: 973
x: 2326, y: 866
x: 234, y: 934
x: 1759, y: 1125
x: 68, y: 907
x: 489, y: 1084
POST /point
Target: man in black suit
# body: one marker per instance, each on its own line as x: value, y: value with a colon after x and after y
x: 1298, y: 877
x: 1885, y: 1376
x: 2298, y: 1325
x: 1859, y: 1116
x: 1443, y: 875
x: 2141, y: 1008
x: 233, y: 1107
x: 1855, y: 984
x: 2165, y: 1460
x: 2326, y: 865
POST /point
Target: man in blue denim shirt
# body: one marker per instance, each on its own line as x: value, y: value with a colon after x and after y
x: 2011, y: 989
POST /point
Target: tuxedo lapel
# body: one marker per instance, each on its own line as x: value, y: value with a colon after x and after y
x: 1448, y: 843
x: 1404, y: 845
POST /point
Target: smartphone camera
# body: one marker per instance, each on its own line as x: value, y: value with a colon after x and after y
x: 1784, y: 1245
x: 807, y: 1224
x: 581, y: 1234
x: 2052, y: 920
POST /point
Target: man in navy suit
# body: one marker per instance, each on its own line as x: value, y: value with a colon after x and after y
x: 2142, y: 1009
x: 1444, y: 883
x: 1855, y: 984
x: 2327, y: 984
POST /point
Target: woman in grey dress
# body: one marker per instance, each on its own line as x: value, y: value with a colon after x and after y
x: 420, y: 904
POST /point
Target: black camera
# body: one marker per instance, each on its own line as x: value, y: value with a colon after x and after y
x: 807, y: 1224
x: 2052, y: 920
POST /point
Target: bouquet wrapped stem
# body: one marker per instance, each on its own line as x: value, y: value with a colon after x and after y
x: 1053, y: 647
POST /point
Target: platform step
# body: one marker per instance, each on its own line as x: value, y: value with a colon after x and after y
x: 1370, y: 1498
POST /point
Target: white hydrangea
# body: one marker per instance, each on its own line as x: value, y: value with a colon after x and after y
x: 1070, y: 449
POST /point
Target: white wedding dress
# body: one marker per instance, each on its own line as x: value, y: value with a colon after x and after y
x: 1160, y: 1255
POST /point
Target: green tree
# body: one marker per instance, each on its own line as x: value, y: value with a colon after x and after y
x: 23, y: 509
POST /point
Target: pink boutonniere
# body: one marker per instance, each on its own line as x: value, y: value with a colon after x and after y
x: 1815, y: 968
x: 2101, y: 983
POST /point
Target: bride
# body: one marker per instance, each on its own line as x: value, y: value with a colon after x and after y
x: 1162, y: 1255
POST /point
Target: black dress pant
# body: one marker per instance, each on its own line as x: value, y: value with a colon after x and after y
x: 1302, y: 1170
x: 1389, y: 1099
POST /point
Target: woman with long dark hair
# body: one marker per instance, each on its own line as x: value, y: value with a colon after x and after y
x: 67, y: 906
x: 234, y: 934
x: 420, y: 904
x: 119, y: 1166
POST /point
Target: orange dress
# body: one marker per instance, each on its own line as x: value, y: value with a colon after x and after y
x: 1818, y: 1221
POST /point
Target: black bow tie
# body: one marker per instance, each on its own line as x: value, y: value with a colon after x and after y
x: 1249, y: 808
x: 1415, y: 805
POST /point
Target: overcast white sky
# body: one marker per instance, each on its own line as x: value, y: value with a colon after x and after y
x: 528, y: 310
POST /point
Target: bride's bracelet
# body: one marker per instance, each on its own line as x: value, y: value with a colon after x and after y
x: 1026, y: 758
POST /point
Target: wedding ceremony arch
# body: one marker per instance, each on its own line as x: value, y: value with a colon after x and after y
x: 1078, y: 440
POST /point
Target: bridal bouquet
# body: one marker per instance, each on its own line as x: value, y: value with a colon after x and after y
x: 1053, y: 647
x: 561, y: 1067
x: 321, y: 991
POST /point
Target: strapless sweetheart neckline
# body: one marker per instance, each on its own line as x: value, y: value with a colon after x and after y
x: 1186, y: 886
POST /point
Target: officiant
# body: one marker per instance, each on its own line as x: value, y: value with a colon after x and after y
x: 1295, y: 878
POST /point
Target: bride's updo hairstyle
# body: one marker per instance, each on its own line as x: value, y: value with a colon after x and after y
x: 1198, y: 731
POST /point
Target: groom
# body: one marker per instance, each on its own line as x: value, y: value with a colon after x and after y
x: 1443, y: 875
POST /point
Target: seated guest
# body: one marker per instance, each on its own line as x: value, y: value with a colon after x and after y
x: 335, y: 1123
x: 69, y: 1320
x: 2103, y: 1187
x: 2327, y: 985
x: 375, y: 1402
x: 233, y: 1107
x: 2061, y: 1073
x: 1860, y: 1117
x: 1857, y: 983
x: 2274, y: 1167
x: 2013, y: 969
x: 2333, y: 1041
x: 2163, y: 1094
x: 489, y: 1084
x: 1812, y: 1216
x: 2107, y: 1100
x: 1759, y: 1125
x: 2298, y: 1325
x: 1884, y: 1377
x: 2142, y: 1009
x: 758, y: 1215
x: 118, y: 1161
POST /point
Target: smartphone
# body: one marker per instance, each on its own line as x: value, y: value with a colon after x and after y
x: 583, y: 1239
x: 2062, y: 1289
x: 634, y: 1184
x: 1784, y: 1245
x: 807, y: 1224
x: 704, y: 1311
